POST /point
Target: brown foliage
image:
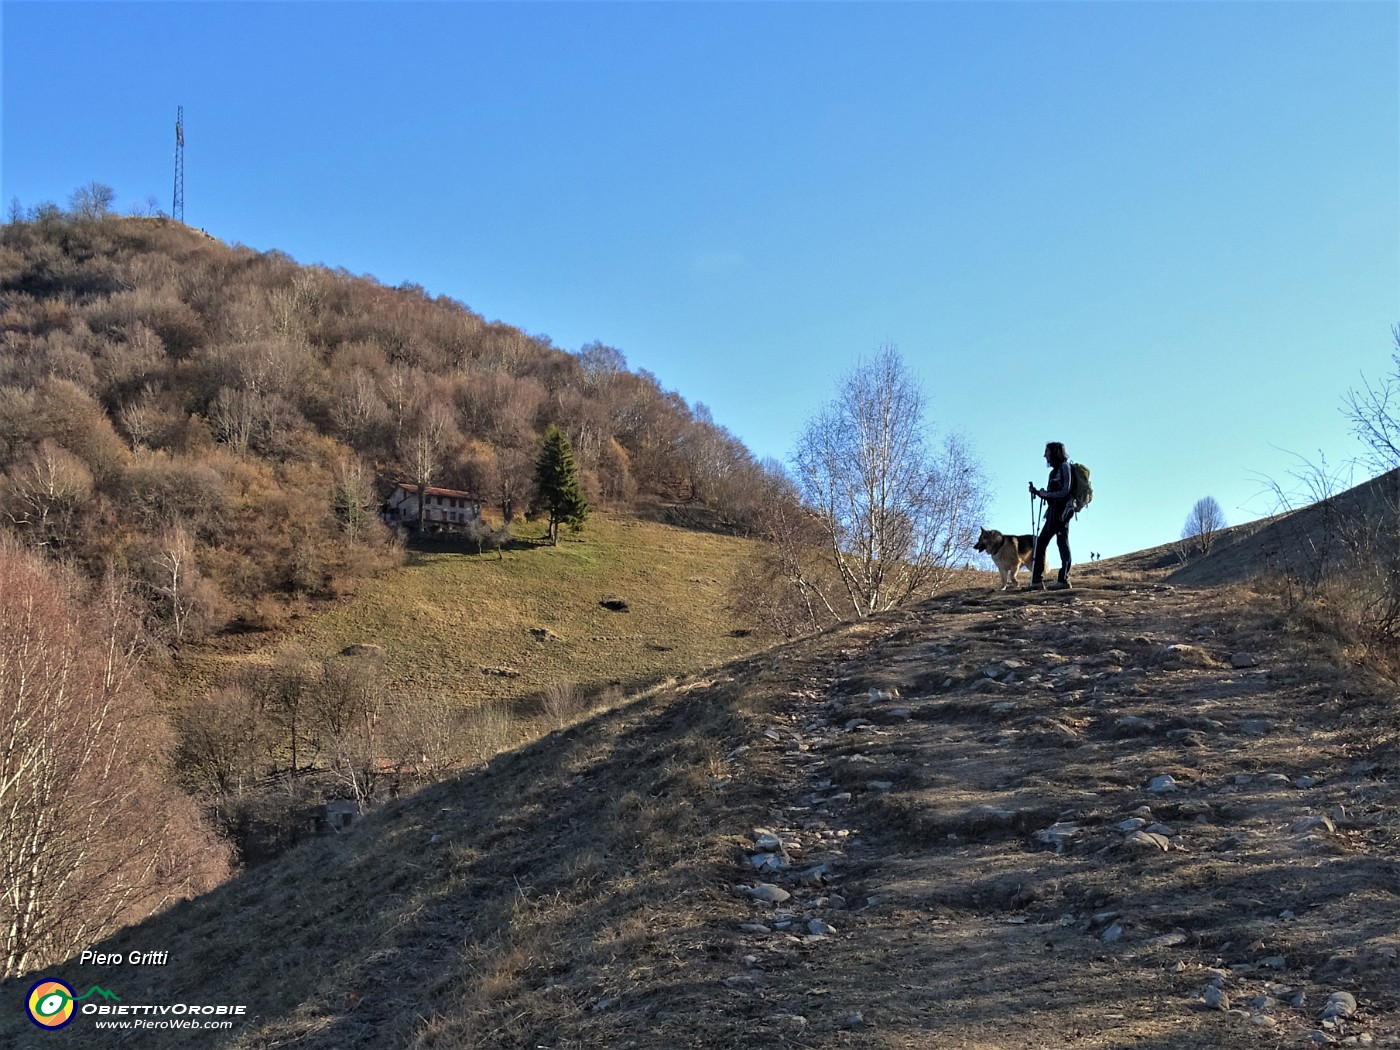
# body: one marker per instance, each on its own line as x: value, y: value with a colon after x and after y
x: 213, y: 389
x: 44, y: 494
x: 90, y: 838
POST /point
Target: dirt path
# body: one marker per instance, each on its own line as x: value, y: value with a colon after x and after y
x: 1131, y: 816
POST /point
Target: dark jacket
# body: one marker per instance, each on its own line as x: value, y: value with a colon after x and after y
x: 1058, y: 494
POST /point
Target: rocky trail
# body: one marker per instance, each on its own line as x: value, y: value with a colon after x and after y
x: 1128, y: 816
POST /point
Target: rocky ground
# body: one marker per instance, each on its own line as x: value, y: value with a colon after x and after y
x: 1127, y: 816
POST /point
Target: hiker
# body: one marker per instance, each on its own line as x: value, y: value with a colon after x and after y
x: 1059, y: 509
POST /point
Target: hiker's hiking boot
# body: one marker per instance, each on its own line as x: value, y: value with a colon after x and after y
x: 1034, y: 585
x: 1061, y: 585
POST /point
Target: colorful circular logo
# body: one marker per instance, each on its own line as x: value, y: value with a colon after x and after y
x: 51, y: 1003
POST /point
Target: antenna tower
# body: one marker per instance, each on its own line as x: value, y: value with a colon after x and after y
x: 177, y: 209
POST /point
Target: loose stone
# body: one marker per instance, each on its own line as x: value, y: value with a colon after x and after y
x: 766, y: 842
x: 1339, y: 1004
x: 767, y: 862
x: 1215, y: 999
x: 766, y: 891
x: 1148, y: 842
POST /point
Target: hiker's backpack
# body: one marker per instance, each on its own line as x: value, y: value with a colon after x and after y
x: 1081, y: 492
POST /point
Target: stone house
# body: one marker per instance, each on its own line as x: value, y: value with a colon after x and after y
x: 443, y: 509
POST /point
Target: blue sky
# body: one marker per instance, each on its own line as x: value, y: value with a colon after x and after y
x: 1167, y: 234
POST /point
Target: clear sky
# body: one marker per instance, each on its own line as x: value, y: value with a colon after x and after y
x: 1167, y: 234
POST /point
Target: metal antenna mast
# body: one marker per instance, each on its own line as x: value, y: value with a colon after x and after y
x: 177, y: 209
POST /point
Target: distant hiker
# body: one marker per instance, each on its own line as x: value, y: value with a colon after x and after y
x: 1059, y: 509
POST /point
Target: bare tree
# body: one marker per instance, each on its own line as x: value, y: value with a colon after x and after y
x: 896, y: 516
x: 1374, y: 411
x: 140, y: 418
x: 786, y: 585
x: 149, y: 208
x: 1205, y: 520
x: 90, y: 839
x: 46, y: 493
x: 223, y: 743
x: 352, y: 497
x: 599, y: 362
x: 1373, y: 539
x: 93, y: 201
x: 357, y: 408
x: 422, y: 458
x: 399, y: 394
x: 422, y: 735
x: 285, y: 691
x: 174, y: 579
x: 235, y: 414
x: 424, y: 447
x: 348, y: 707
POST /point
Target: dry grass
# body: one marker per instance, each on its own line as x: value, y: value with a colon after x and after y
x: 482, y: 628
x: 561, y: 703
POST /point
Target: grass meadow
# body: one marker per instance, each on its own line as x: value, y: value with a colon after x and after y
x: 503, y: 628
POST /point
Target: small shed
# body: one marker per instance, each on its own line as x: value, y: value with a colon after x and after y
x: 339, y: 814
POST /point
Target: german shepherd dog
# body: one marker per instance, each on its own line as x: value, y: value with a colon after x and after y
x: 1009, y: 552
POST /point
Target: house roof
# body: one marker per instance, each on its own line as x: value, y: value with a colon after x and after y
x: 434, y: 491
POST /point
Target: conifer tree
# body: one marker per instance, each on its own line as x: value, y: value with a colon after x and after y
x: 557, y: 491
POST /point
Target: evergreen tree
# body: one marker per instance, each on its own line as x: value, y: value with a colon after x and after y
x: 557, y: 491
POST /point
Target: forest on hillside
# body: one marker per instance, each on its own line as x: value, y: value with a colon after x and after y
x: 220, y: 423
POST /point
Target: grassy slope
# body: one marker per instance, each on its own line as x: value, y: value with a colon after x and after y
x: 446, y: 617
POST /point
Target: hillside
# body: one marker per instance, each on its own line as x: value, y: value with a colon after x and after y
x: 166, y: 399
x: 503, y: 626
x: 1136, y: 815
x: 1300, y: 543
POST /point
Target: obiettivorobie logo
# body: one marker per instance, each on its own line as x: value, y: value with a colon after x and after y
x: 52, y: 1002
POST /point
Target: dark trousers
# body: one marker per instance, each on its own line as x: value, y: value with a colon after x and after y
x: 1056, y: 525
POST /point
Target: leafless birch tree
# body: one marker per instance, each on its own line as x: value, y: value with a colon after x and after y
x: 90, y: 839
x: 45, y: 493
x: 1205, y: 520
x: 896, y: 514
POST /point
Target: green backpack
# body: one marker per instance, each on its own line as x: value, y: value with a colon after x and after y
x: 1081, y: 492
